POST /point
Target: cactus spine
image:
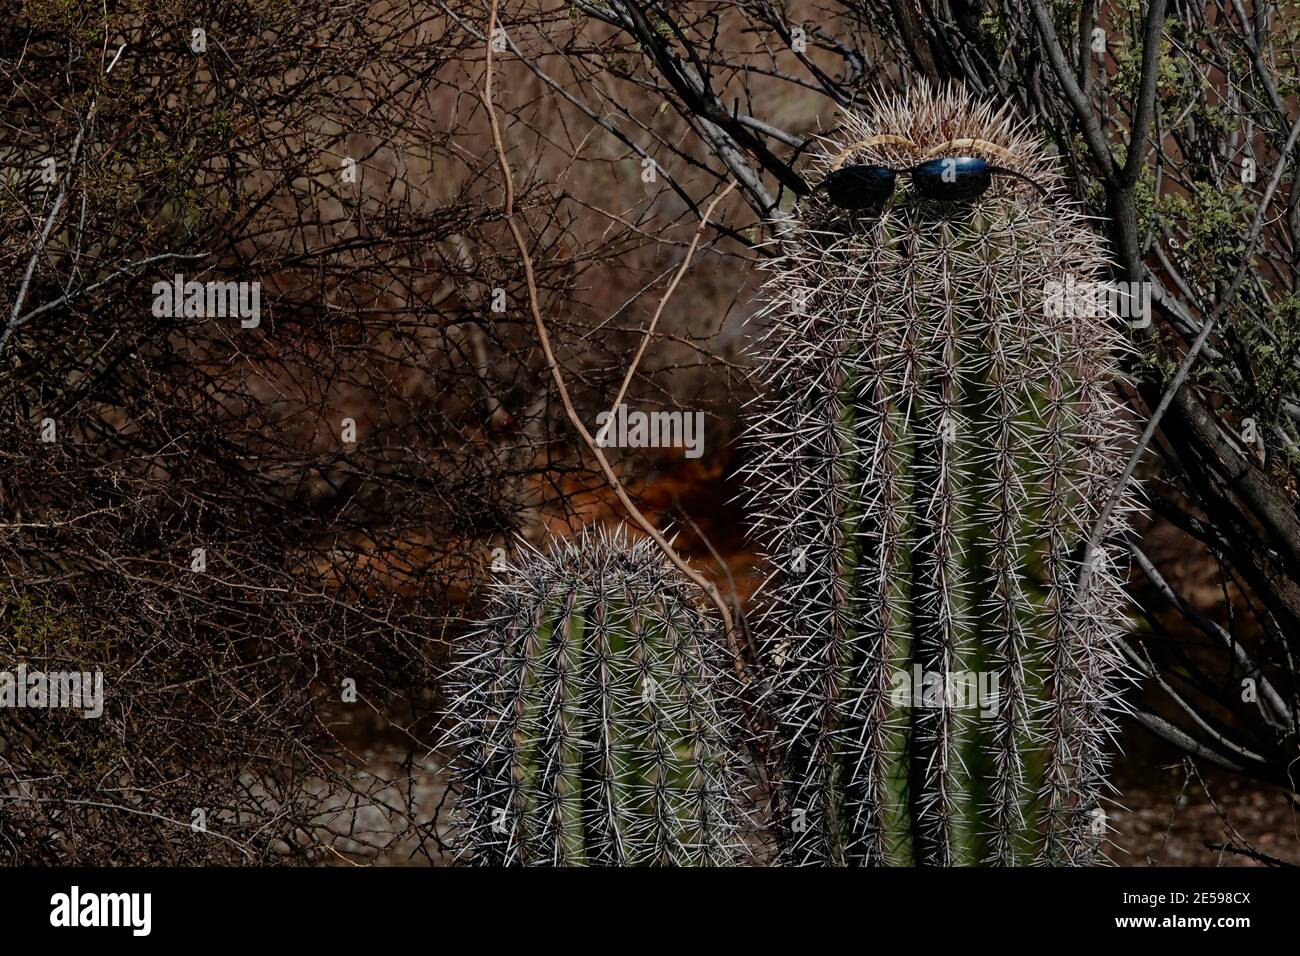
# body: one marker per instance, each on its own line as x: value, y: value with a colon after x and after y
x: 932, y: 448
x: 588, y: 717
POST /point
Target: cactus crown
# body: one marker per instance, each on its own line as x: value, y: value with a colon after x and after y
x: 588, y: 718
x: 932, y: 446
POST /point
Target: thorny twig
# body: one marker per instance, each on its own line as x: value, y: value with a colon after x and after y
x: 544, y: 339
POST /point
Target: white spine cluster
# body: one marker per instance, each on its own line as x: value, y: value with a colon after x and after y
x: 588, y: 716
x: 931, y: 450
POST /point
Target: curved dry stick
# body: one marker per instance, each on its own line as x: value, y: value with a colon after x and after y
x: 544, y: 338
x: 45, y: 231
x: 672, y: 287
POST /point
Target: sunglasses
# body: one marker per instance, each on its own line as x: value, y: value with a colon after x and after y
x: 943, y: 178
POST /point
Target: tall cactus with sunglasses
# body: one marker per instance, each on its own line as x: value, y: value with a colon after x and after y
x: 938, y: 435
x: 589, y: 717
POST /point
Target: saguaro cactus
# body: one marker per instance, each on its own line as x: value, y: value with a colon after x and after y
x: 937, y: 437
x: 588, y: 718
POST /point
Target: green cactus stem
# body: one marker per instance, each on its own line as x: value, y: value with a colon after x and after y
x: 937, y: 435
x: 589, y: 717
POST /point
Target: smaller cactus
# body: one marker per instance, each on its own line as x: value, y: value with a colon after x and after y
x: 588, y: 719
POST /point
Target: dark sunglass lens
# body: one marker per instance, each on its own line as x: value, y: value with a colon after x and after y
x: 952, y: 178
x: 860, y: 187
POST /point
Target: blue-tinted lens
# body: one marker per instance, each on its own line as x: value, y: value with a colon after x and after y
x: 860, y: 187
x: 952, y: 178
